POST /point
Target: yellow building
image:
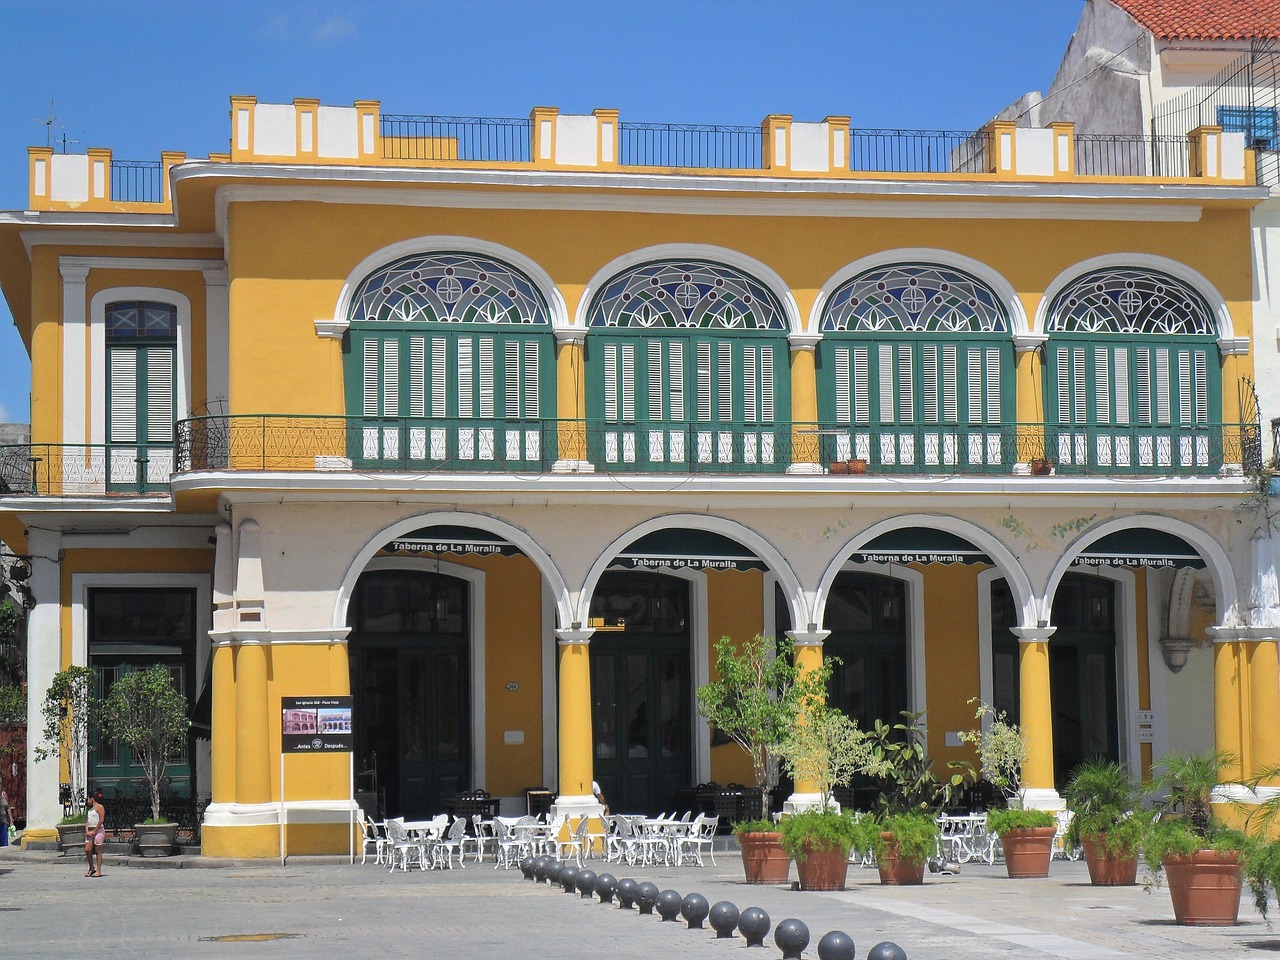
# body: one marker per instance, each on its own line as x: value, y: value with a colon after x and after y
x: 497, y: 425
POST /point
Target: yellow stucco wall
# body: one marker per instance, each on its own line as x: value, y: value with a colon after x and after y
x: 735, y: 608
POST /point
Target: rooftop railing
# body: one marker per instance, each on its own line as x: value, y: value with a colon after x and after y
x: 472, y: 139
x: 919, y: 151
x: 697, y: 146
x: 1116, y: 155
x: 137, y: 181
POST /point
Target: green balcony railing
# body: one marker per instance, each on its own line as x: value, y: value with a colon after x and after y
x: 85, y: 469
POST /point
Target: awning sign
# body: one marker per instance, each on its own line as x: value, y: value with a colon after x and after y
x: 315, y: 725
x: 1140, y: 548
x: 460, y: 541
x: 688, y: 550
x: 917, y: 545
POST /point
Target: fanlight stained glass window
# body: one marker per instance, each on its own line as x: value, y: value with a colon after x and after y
x: 687, y: 293
x: 449, y: 288
x: 141, y: 318
x: 914, y: 298
x: 1131, y: 301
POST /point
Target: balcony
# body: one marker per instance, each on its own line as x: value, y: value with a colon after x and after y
x: 80, y: 470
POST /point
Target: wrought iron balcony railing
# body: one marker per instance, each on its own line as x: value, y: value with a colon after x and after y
x: 137, y: 181
x: 75, y: 470
x: 475, y: 139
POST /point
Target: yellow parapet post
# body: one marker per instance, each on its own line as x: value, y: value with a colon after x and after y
x: 575, y: 713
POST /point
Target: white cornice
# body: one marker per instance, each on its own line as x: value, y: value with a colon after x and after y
x: 268, y: 637
x: 111, y: 238
x: 331, y: 329
x: 139, y: 263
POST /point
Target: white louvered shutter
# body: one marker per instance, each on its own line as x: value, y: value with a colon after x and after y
x: 511, y: 350
x: 372, y: 377
x: 466, y: 378
x: 124, y: 396
x: 391, y: 378
x: 439, y: 377
x: 417, y: 377
x: 725, y: 379
x: 675, y: 364
x: 704, y: 381
x: 160, y: 391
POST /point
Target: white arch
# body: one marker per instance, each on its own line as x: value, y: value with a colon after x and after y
x: 1193, y: 278
x: 690, y: 251
x: 528, y: 546
x: 1001, y: 287
x: 1214, y: 556
x: 1001, y: 556
x: 442, y: 242
x: 735, y: 531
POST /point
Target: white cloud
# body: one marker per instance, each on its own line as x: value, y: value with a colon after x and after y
x: 333, y: 28
x: 4, y: 413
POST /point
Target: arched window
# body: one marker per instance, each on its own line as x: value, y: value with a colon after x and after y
x: 451, y: 364
x: 1133, y: 379
x: 141, y: 338
x: 915, y: 370
x: 688, y: 369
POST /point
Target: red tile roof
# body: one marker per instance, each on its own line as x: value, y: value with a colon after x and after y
x: 1206, y: 19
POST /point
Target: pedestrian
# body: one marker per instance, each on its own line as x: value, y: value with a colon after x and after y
x: 595, y: 791
x: 95, y: 831
x: 6, y: 818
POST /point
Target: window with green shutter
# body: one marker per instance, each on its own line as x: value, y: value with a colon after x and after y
x: 915, y: 371
x: 1133, y: 379
x: 687, y: 370
x: 141, y: 341
x: 450, y: 365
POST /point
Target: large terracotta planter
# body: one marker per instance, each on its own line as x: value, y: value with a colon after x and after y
x: 763, y: 859
x: 1109, y: 868
x: 1204, y: 888
x: 894, y: 870
x: 821, y: 868
x: 1027, y: 852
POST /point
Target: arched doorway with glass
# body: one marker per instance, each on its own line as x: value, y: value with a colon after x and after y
x: 410, y: 677
x: 641, y: 688
x: 1083, y: 687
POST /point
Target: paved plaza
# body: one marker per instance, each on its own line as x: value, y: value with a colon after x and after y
x: 326, y: 908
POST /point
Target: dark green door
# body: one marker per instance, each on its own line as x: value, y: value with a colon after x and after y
x: 865, y: 614
x: 640, y: 684
x: 410, y: 676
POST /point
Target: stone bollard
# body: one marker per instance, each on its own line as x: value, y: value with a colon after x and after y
x: 569, y: 879
x: 668, y: 904
x: 586, y: 883
x: 791, y: 936
x: 836, y: 945
x: 628, y: 892
x: 606, y: 884
x: 887, y: 950
x: 646, y: 897
x: 754, y: 924
x: 724, y: 919
x: 694, y: 910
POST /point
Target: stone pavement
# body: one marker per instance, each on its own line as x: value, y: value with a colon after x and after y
x: 330, y: 909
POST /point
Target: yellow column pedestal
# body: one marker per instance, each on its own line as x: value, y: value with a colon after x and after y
x: 805, y: 442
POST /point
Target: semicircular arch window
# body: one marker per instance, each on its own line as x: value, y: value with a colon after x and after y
x: 915, y: 372
x: 914, y: 298
x: 686, y: 293
x: 446, y: 287
x: 1131, y: 301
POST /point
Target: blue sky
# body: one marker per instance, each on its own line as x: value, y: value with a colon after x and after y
x: 143, y: 77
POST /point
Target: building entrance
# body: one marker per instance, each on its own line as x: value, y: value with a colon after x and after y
x: 410, y: 677
x: 640, y: 687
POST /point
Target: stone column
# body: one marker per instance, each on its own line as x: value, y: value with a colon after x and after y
x: 1036, y: 718
x: 808, y: 659
x: 805, y: 441
x: 571, y: 403
x: 1229, y: 680
x: 1264, y: 706
x: 44, y: 659
x: 576, y: 744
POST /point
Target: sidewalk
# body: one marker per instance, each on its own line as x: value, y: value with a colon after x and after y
x: 330, y: 909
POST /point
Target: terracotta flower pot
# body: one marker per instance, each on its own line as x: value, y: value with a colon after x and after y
x: 1041, y: 468
x: 1027, y: 852
x: 763, y: 859
x: 857, y: 466
x: 1109, y: 868
x: 896, y: 871
x: 822, y: 868
x: 1205, y: 888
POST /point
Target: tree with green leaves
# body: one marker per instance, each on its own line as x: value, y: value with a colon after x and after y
x: 756, y: 698
x: 826, y: 748
x: 69, y: 710
x: 148, y: 714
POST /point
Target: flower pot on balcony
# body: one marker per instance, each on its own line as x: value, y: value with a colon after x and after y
x: 857, y: 466
x: 1041, y: 468
x: 839, y: 467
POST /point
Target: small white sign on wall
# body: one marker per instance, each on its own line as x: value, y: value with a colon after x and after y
x: 1146, y: 721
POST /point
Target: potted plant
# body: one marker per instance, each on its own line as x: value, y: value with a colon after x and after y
x: 911, y: 797
x: 1025, y: 835
x: 69, y: 711
x: 754, y: 702
x: 144, y: 711
x: 824, y: 748
x: 1201, y: 856
x: 1106, y: 821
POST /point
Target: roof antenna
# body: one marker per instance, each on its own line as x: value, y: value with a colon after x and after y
x: 48, y: 123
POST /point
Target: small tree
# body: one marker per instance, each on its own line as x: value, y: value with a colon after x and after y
x: 756, y: 698
x: 826, y: 748
x: 1001, y: 751
x: 70, y: 709
x: 145, y: 712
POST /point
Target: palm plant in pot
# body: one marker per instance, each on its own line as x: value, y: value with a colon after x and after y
x: 1107, y: 821
x: 1025, y: 835
x: 911, y: 797
x: 754, y: 702
x: 70, y: 710
x: 1202, y: 858
x: 147, y: 713
x: 825, y: 748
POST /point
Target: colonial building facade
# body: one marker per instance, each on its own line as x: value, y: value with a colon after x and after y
x: 497, y: 426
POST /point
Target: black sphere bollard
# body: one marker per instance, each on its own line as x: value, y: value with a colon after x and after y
x: 553, y: 872
x: 724, y: 919
x: 668, y: 905
x: 887, y: 950
x: 791, y: 936
x: 569, y: 879
x: 539, y: 869
x: 526, y: 868
x: 606, y: 884
x: 836, y: 945
x: 646, y: 897
x: 694, y: 910
x: 628, y: 891
x: 586, y: 883
x: 754, y: 924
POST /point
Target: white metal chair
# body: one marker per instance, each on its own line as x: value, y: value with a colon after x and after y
x: 574, y: 845
x: 404, y: 848
x: 444, y: 849
x: 482, y: 838
x: 701, y: 835
x: 373, y: 837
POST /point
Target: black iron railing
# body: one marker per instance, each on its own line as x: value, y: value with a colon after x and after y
x: 696, y: 146
x: 1116, y: 155
x: 472, y: 139
x: 137, y: 181
x: 919, y: 151
x: 124, y: 813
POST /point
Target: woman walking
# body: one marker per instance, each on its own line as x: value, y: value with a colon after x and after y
x: 95, y: 831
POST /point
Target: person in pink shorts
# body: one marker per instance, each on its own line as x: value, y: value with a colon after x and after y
x: 95, y: 831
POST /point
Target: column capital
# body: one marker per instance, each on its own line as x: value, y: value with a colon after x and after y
x: 804, y: 339
x: 570, y: 334
x: 578, y: 636
x: 1033, y: 634
x: 73, y: 272
x: 808, y: 638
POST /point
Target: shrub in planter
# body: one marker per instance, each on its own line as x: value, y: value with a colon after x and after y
x: 69, y: 710
x: 819, y: 841
x: 1027, y: 839
x: 903, y: 843
x: 763, y: 858
x: 1106, y: 821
